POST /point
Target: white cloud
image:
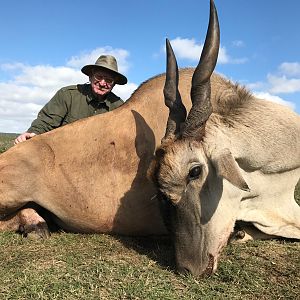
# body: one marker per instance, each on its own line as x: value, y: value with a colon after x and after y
x: 30, y: 87
x: 125, y: 91
x: 290, y: 69
x: 44, y: 76
x: 238, y: 44
x: 282, y: 84
x: 86, y: 58
x: 273, y: 98
x: 286, y: 80
x: 186, y: 48
x: 255, y: 85
x: 189, y: 49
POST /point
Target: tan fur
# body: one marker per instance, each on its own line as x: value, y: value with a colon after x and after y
x: 92, y: 174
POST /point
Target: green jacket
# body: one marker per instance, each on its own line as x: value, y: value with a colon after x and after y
x: 69, y: 104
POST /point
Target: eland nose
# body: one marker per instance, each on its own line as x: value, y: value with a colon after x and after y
x: 183, y: 270
x: 186, y: 269
x: 206, y: 269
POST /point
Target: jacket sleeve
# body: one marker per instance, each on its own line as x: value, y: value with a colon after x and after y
x: 52, y: 114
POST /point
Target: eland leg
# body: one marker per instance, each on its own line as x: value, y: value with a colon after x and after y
x: 273, y: 209
x: 26, y: 221
x: 19, y: 179
x: 244, y: 232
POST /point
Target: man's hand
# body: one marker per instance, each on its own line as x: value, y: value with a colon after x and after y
x: 23, y: 137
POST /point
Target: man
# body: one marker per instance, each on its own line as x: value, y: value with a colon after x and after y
x: 79, y: 101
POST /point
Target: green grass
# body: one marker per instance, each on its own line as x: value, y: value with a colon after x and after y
x: 6, y: 141
x: 76, y: 266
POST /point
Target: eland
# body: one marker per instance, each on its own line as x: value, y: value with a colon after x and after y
x: 233, y: 158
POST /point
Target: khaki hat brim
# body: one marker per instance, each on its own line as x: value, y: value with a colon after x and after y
x: 120, y: 79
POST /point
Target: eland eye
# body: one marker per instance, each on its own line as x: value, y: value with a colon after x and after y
x: 194, y: 173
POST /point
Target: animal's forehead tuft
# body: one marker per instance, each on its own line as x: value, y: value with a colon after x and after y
x: 178, y: 157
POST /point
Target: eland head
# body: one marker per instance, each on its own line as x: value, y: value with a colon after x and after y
x: 182, y: 168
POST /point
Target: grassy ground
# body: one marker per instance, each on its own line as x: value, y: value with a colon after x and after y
x: 74, y: 266
x: 70, y: 266
x: 6, y: 141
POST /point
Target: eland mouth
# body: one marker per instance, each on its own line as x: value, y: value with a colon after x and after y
x: 210, y: 267
x: 190, y: 270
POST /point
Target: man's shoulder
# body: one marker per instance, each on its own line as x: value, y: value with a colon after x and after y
x: 77, y: 89
x: 71, y: 87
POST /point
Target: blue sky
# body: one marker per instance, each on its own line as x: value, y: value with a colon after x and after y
x: 44, y: 44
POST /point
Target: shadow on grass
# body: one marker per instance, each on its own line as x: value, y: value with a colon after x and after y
x: 156, y: 248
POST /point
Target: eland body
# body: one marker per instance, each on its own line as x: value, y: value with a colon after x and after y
x: 234, y: 157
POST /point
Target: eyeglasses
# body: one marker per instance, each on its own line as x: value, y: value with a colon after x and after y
x: 100, y: 77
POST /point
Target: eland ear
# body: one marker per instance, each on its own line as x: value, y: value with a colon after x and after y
x: 227, y: 167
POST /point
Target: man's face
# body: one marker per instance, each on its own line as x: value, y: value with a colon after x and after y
x: 102, y: 82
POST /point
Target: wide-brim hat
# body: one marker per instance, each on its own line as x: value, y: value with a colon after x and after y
x: 106, y: 62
